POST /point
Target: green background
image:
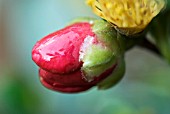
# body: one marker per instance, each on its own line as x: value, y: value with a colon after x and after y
x: 143, y: 90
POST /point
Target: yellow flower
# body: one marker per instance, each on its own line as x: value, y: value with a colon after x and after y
x: 128, y: 16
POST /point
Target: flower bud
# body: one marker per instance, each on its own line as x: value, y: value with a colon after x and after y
x: 78, y: 56
x: 129, y: 17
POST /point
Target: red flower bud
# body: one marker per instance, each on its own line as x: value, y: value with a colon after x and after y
x: 63, y: 61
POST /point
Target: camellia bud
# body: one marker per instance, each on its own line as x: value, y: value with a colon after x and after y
x: 79, y: 56
x: 128, y: 16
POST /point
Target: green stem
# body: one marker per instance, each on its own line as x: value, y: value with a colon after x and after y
x: 142, y: 41
x: 149, y: 46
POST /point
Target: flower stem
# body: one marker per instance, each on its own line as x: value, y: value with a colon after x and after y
x: 149, y: 46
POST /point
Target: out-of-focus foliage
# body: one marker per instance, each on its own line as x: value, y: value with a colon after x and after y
x: 168, y: 4
x: 18, y: 97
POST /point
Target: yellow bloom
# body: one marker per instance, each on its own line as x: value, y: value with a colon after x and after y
x: 127, y: 16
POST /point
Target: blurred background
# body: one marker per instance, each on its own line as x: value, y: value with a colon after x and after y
x: 143, y: 90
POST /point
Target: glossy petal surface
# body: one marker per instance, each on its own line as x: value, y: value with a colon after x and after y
x: 59, y: 51
x: 72, y: 82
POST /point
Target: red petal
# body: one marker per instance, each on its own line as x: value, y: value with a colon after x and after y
x: 72, y: 82
x: 59, y: 51
x: 64, y: 89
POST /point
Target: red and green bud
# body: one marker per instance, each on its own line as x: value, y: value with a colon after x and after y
x: 84, y: 54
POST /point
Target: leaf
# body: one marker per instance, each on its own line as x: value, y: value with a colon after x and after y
x: 160, y: 32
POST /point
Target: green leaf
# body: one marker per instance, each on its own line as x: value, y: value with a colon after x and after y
x: 160, y: 31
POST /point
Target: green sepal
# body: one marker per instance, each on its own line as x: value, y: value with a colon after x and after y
x: 115, y: 77
x: 96, y: 61
x: 99, y: 57
x: 103, y: 55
